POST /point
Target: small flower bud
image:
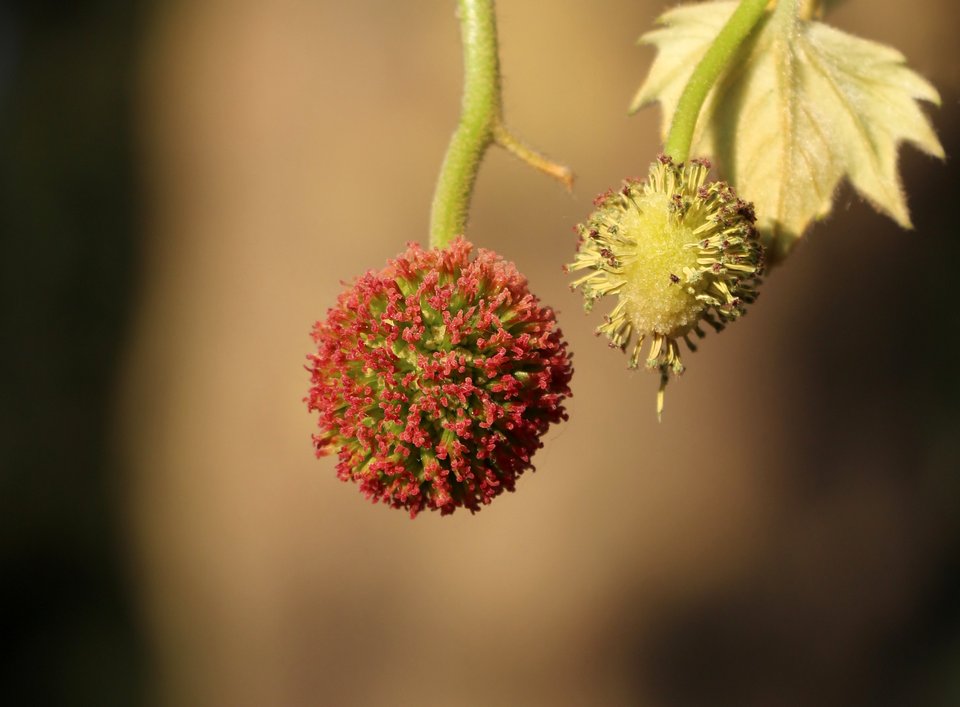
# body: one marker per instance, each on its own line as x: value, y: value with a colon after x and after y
x: 435, y: 378
x: 676, y: 251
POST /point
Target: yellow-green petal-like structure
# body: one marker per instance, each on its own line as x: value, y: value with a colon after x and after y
x: 676, y: 251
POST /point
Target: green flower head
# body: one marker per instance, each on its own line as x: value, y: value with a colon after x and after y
x: 677, y: 252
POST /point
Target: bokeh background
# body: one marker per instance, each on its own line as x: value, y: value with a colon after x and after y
x: 183, y: 188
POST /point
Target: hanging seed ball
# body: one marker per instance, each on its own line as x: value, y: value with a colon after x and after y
x: 435, y: 378
x: 676, y: 252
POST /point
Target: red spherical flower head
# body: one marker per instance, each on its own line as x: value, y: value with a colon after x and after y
x: 435, y: 378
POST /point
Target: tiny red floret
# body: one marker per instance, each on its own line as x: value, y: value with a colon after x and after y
x: 435, y: 378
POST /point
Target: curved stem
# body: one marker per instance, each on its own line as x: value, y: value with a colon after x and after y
x: 481, y: 124
x: 516, y: 147
x: 478, y: 114
x: 706, y: 73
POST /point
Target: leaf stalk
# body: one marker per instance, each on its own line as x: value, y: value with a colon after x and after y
x: 705, y: 75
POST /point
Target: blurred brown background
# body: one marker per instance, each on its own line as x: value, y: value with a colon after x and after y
x: 185, y: 186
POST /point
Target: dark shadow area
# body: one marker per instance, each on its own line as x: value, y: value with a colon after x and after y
x: 855, y: 599
x: 69, y: 239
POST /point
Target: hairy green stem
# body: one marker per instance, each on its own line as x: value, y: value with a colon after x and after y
x: 478, y: 114
x: 481, y: 124
x: 706, y: 73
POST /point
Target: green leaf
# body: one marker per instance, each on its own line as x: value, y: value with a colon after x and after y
x: 801, y: 106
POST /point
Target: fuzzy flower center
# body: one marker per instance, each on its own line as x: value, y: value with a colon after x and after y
x: 655, y: 301
x: 676, y: 251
